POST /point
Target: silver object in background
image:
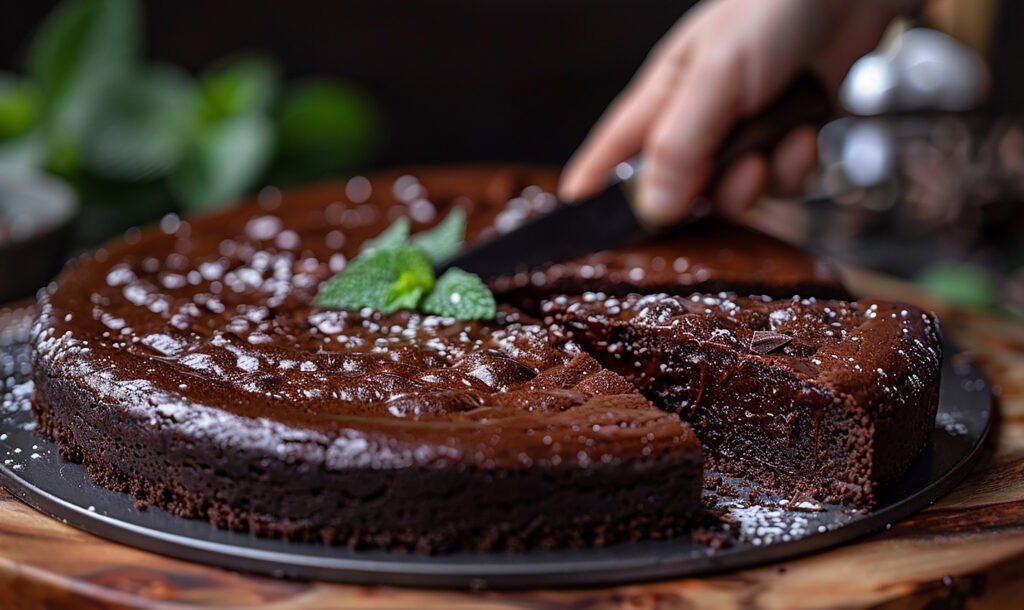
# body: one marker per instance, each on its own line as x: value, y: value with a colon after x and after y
x: 922, y: 69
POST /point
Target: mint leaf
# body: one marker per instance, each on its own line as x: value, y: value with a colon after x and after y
x: 82, y: 50
x: 384, y: 279
x: 390, y: 274
x: 461, y: 295
x: 443, y: 241
x: 141, y: 130
x: 324, y: 128
x: 19, y: 106
x: 392, y: 237
x: 240, y: 85
x: 223, y: 161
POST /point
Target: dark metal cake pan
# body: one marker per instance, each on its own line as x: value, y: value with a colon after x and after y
x: 768, y: 529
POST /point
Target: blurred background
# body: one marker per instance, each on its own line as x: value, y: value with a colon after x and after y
x: 134, y: 109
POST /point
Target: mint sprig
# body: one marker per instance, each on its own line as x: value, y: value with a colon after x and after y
x: 394, y: 272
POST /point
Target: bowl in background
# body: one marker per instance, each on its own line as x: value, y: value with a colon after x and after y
x: 36, y: 212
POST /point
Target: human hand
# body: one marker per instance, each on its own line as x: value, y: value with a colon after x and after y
x: 722, y: 62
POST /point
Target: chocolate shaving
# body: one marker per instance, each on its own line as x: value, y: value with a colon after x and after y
x: 765, y: 341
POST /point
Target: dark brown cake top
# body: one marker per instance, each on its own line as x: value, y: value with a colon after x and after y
x: 868, y: 348
x: 210, y: 325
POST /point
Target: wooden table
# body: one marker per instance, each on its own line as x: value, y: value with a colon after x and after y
x: 965, y: 551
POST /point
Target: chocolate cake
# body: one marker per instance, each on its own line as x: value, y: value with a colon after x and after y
x: 188, y: 364
x: 827, y: 397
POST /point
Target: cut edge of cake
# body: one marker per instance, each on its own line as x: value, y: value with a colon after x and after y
x: 794, y: 410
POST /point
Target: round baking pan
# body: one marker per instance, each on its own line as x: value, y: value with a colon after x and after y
x: 769, y: 530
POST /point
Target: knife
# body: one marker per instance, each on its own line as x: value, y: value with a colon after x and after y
x: 606, y: 220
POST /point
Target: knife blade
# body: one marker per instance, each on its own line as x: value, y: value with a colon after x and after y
x: 606, y: 220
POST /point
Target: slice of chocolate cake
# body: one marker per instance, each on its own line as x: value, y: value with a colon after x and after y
x: 828, y: 397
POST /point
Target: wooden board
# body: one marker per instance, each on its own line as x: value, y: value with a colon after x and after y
x: 966, y: 551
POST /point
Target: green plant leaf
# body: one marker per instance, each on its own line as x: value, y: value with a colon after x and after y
x: 239, y: 85
x: 62, y: 155
x: 444, y: 240
x: 461, y: 295
x: 83, y: 49
x: 392, y: 237
x: 959, y: 283
x: 19, y: 106
x: 142, y: 128
x: 223, y: 161
x: 324, y: 128
x: 384, y: 279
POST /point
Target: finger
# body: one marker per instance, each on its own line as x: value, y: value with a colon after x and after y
x: 741, y: 184
x: 687, y: 131
x: 619, y: 134
x: 616, y: 137
x: 793, y: 161
x: 621, y: 131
